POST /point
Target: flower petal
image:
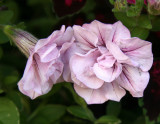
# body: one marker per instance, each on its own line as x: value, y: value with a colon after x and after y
x: 50, y: 39
x: 103, y: 31
x: 48, y: 52
x: 86, y: 39
x: 116, y: 52
x: 106, y: 59
x: 39, y: 77
x: 81, y: 66
x: 55, y: 70
x: 108, y: 91
x: 34, y: 82
x: 121, y: 32
x: 61, y: 40
x: 66, y: 58
x: 107, y: 74
x: 139, y: 51
x: 134, y: 80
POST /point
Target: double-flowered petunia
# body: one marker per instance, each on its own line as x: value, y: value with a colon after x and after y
x: 109, y: 62
x: 45, y: 66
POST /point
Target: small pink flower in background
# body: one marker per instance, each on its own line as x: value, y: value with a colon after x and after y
x: 109, y: 62
x: 44, y: 66
x: 69, y: 2
x: 134, y: 2
x: 131, y: 1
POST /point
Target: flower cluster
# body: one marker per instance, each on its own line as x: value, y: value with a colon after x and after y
x: 101, y: 60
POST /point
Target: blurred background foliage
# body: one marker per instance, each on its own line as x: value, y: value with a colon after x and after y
x: 62, y: 105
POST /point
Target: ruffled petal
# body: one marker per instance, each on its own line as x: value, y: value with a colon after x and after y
x: 55, y: 45
x: 82, y: 67
x: 51, y: 39
x: 48, y: 52
x: 121, y: 32
x: 108, y: 91
x: 139, y: 51
x: 85, y: 39
x: 65, y: 58
x: 55, y: 71
x: 134, y: 80
x: 34, y: 81
x: 107, y: 74
x: 39, y: 77
x: 116, y: 52
x: 103, y: 31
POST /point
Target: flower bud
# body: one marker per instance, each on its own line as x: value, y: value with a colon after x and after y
x: 154, y: 7
x: 120, y: 5
x: 23, y: 40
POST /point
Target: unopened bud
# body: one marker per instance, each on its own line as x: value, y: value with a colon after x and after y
x: 23, y: 40
x: 154, y: 7
x: 120, y: 5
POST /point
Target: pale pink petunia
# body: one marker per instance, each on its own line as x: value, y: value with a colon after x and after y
x: 109, y: 62
x: 45, y: 66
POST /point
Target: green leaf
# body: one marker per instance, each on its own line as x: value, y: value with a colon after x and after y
x: 135, y: 10
x: 156, y: 24
x: 140, y: 120
x: 81, y: 112
x: 108, y: 120
x: 3, y: 37
x: 89, y: 6
x: 8, y: 75
x: 127, y: 21
x: 113, y: 108
x: 139, y: 32
x: 5, y: 16
x: 158, y: 119
x: 11, y: 79
x: 120, y: 5
x: 1, y: 91
x: 8, y: 112
x: 144, y: 22
x: 140, y: 102
x: 15, y: 97
x: 49, y: 113
x: 112, y: 2
x: 77, y: 98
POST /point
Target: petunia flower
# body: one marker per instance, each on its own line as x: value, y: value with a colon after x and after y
x: 44, y: 66
x: 134, y: 2
x: 131, y: 1
x: 110, y: 62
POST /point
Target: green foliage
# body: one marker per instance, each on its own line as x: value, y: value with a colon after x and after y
x: 108, y: 120
x: 48, y: 114
x: 3, y: 38
x: 113, y: 108
x: 5, y: 16
x: 139, y: 32
x: 139, y: 26
x: 77, y: 98
x: 81, y: 112
x: 8, y: 112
